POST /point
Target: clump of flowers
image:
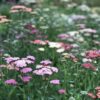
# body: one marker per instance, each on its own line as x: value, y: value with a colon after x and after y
x: 26, y: 70
x: 98, y: 92
x: 46, y: 62
x: 54, y: 44
x: 25, y: 79
x: 45, y: 68
x: 11, y: 82
x: 71, y: 56
x: 61, y: 47
x: 88, y: 30
x: 40, y: 42
x: 93, y: 54
x: 20, y: 62
x: 63, y: 36
x: 3, y: 19
x: 55, y: 82
x: 61, y: 91
x: 91, y: 95
x: 77, y: 17
x: 19, y: 8
x: 96, y: 95
x: 20, y: 65
x: 89, y: 66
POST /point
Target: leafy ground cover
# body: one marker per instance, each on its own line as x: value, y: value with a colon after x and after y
x: 49, y: 52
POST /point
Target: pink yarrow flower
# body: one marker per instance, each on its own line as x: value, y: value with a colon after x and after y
x: 11, y: 59
x: 93, y: 54
x: 46, y: 62
x: 45, y: 68
x: 20, y: 63
x: 98, y: 95
x: 26, y: 70
x: 63, y: 36
x: 26, y: 78
x: 55, y: 82
x: 54, y: 69
x: 40, y: 42
x: 11, y: 82
x: 89, y: 66
x: 43, y: 71
x: 17, y: 8
x: 97, y: 88
x: 31, y: 58
x: 62, y: 91
x: 89, y: 30
x: 91, y: 95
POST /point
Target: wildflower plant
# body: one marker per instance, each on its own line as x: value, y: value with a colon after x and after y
x: 49, y: 52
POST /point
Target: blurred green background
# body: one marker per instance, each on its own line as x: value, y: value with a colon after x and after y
x: 89, y: 2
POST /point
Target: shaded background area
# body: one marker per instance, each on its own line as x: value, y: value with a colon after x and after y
x: 88, y: 2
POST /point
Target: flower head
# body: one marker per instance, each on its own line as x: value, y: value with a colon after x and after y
x: 43, y: 71
x: 89, y: 66
x: 91, y: 95
x: 11, y: 82
x: 63, y: 36
x: 26, y: 78
x: 98, y: 95
x: 20, y: 63
x: 62, y: 91
x: 18, y: 8
x: 31, y: 58
x: 26, y: 70
x: 55, y: 82
x: 97, y: 88
x: 11, y: 59
x: 46, y: 62
x: 93, y: 54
